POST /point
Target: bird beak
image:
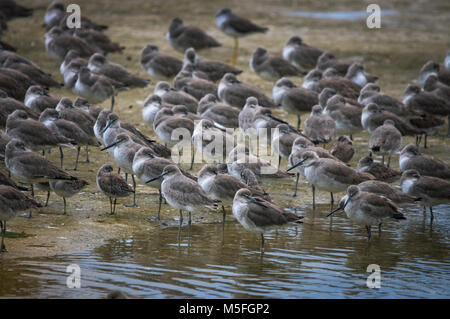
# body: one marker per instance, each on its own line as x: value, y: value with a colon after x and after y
x: 107, y: 126
x: 296, y: 165
x: 156, y: 178
x: 112, y: 145
x: 277, y: 119
x: 339, y: 208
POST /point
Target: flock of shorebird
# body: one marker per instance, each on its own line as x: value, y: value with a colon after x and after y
x: 341, y: 97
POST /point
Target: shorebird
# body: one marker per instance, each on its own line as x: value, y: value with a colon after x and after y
x: 98, y: 64
x: 371, y: 93
x: 12, y: 202
x: 198, y: 88
x: 171, y: 96
x: 300, y: 54
x: 411, y: 158
x: 152, y: 105
x: 271, y: 67
x: 124, y: 150
x: 159, y: 65
x: 247, y: 115
x: 11, y: 87
x: 293, y: 98
x: 320, y: 127
x: 183, y: 193
x: 223, y: 187
x: 343, y: 149
x: 9, y: 105
x: 96, y: 88
x: 18, y: 76
x: 282, y: 141
x: 98, y: 40
x: 347, y: 117
x: 34, y: 134
x: 166, y: 122
x: 265, y: 123
x: 367, y: 209
x: 384, y: 189
x: 70, y: 74
x: 432, y: 191
x: 378, y: 170
x: 328, y: 60
x: 5, y: 180
x: 223, y: 116
x: 433, y: 85
x: 215, y: 70
x: 67, y: 189
x: 38, y: 99
x: 432, y: 67
x: 32, y: 71
x: 236, y: 27
x: 112, y: 185
x: 183, y: 37
x: 316, y: 81
x: 235, y: 93
x: 386, y: 139
x: 357, y: 74
x: 58, y: 43
x: 68, y: 129
x: 258, y: 215
x: 328, y: 174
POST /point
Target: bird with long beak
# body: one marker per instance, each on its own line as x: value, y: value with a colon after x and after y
x: 367, y: 209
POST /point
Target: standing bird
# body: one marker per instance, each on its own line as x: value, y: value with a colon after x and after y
x: 112, y: 185
x: 222, y: 115
x: 367, y: 209
x: 384, y: 189
x: 258, y: 215
x: 183, y: 37
x: 432, y: 191
x: 386, y: 139
x: 67, y: 189
x: 271, y: 67
x: 411, y: 158
x: 236, y: 27
x: 343, y: 149
x: 183, y: 193
x: 320, y: 127
x: 282, y: 140
x: 159, y: 65
x: 378, y: 170
x: 12, y: 202
x: 198, y: 88
x: 300, y: 54
x: 171, y: 96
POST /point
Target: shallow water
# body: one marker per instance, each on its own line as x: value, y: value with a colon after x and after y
x: 321, y: 258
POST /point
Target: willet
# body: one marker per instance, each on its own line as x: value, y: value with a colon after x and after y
x: 18, y: 76
x: 99, y: 40
x: 236, y: 27
x: 33, y: 72
x: 282, y: 141
x: 214, y: 69
x: 433, y: 85
x: 320, y: 127
x: 235, y: 93
x: 258, y: 215
x: 96, y: 88
x: 183, y: 193
x: 58, y: 43
x: 198, y: 88
x: 152, y: 104
x: 315, y: 81
x: 384, y: 189
x: 5, y: 180
x: 124, y: 150
x: 357, y: 74
x: 271, y: 67
x: 432, y: 191
x: 11, y: 87
x: 222, y: 187
x: 159, y: 65
x: 67, y: 189
x: 293, y: 98
x: 265, y: 123
x: 71, y: 56
x: 194, y: 73
x: 98, y: 64
x: 71, y: 73
x: 222, y: 115
x: 183, y: 37
x: 247, y: 115
x: 112, y: 185
x: 34, y: 134
x: 367, y: 209
x: 347, y: 117
x: 8, y: 105
x: 432, y: 67
x: 171, y: 96
x: 328, y: 174
x: 328, y: 60
x: 343, y: 149
x: 12, y: 202
x: 249, y: 178
x: 301, y: 54
x: 371, y: 93
x: 147, y: 165
x: 379, y: 171
x: 68, y: 129
x: 92, y: 109
x: 38, y: 99
x: 386, y: 139
x: 411, y: 158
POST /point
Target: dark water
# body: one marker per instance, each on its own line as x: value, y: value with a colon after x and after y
x: 322, y: 258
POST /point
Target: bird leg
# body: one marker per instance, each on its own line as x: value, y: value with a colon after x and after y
x: 299, y: 121
x: 48, y: 196
x: 112, y: 101
x: 76, y: 161
x: 190, y: 220
x: 159, y: 204
x: 192, y: 158
x: 425, y: 141
x: 314, y: 196
x: 87, y: 156
x: 235, y: 51
x: 134, y: 194
x: 262, y: 241
x: 65, y: 206
x: 369, y: 232
x: 3, y: 231
x: 61, y: 156
x: 332, y: 201
x: 110, y: 206
x: 382, y: 160
x: 114, y: 205
x: 224, y: 215
x: 181, y: 223
x: 296, y: 185
x: 389, y: 161
x: 432, y: 215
